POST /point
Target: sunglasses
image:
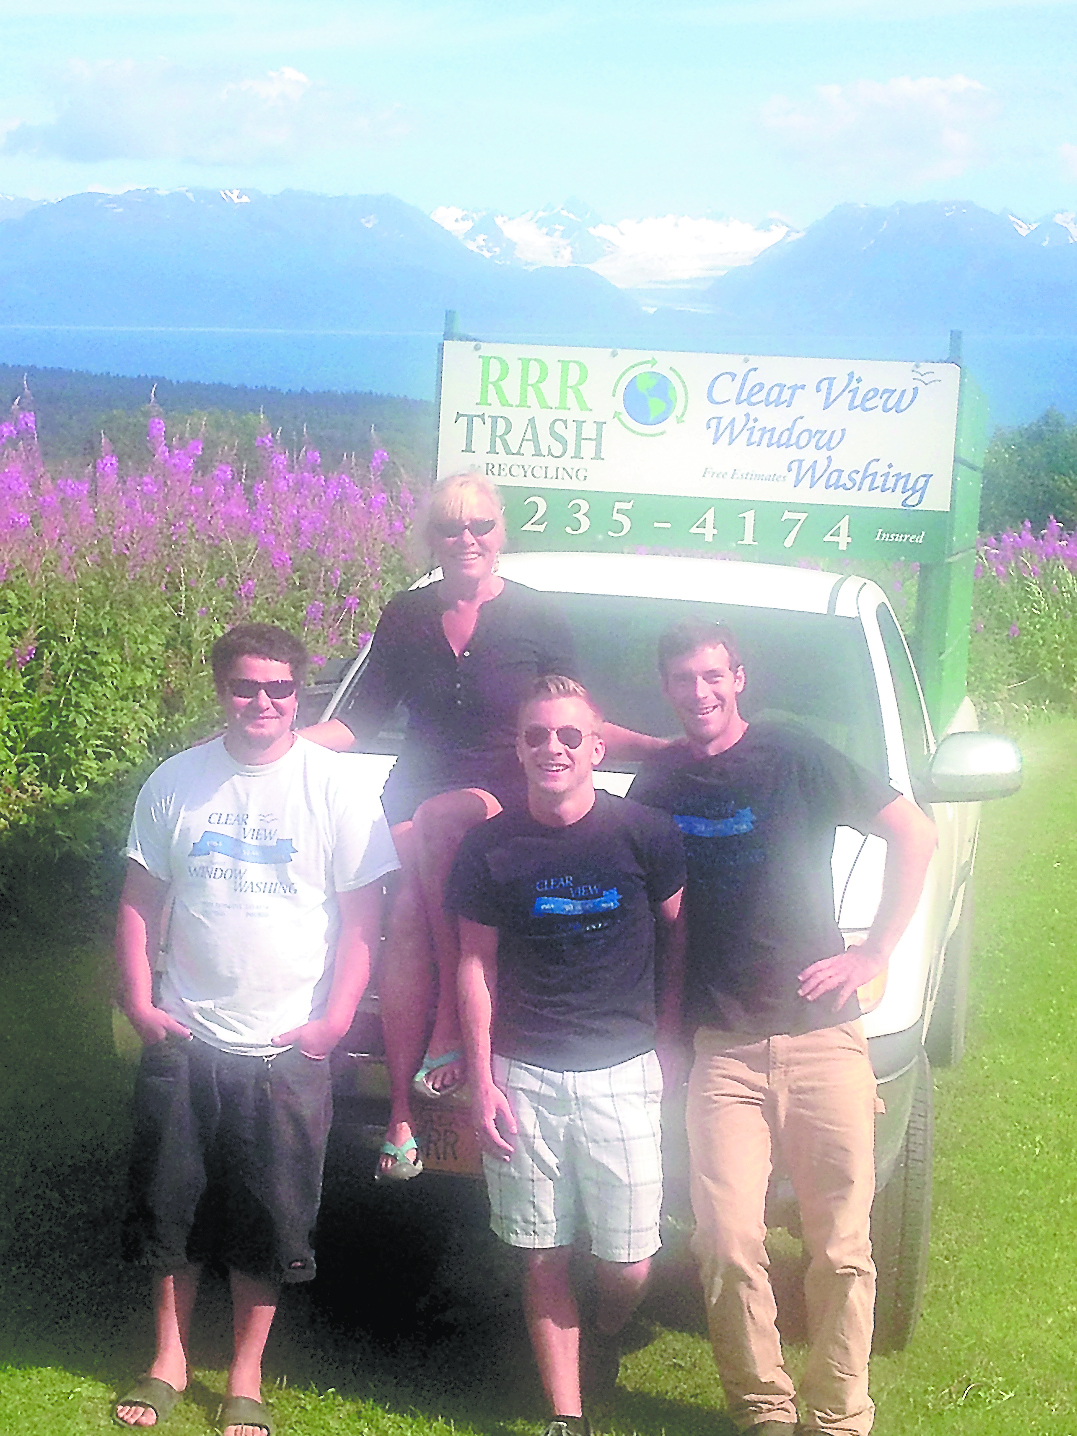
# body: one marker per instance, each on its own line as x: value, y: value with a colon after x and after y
x: 250, y: 687
x: 569, y: 736
x: 478, y: 528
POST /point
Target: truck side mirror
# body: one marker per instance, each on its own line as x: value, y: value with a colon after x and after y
x: 971, y: 768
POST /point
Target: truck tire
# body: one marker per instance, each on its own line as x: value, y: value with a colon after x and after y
x: 945, y: 1041
x: 901, y: 1225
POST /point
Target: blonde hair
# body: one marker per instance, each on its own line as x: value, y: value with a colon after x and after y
x: 450, y: 500
x: 556, y: 685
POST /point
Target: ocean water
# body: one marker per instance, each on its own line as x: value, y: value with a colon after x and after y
x: 1022, y: 375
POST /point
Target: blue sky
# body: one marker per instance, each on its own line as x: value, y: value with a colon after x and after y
x: 737, y: 107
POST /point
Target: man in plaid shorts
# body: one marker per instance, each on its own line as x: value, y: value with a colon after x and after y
x: 562, y: 905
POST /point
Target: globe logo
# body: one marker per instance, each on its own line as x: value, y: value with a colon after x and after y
x: 649, y: 398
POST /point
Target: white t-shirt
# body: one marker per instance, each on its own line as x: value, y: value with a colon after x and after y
x: 255, y: 856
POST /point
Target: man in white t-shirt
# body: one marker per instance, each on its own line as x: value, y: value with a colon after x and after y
x: 270, y: 852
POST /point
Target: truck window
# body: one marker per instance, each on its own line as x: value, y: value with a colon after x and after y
x: 812, y: 670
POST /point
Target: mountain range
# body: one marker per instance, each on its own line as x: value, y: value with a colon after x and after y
x: 293, y: 261
x: 300, y: 289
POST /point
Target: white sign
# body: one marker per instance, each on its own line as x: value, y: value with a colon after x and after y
x: 860, y: 434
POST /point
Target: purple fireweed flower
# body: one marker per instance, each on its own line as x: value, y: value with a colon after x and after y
x: 318, y: 659
x: 978, y: 571
x: 1014, y: 630
x: 7, y: 430
x: 26, y: 423
x: 155, y: 429
x: 314, y: 613
x: 351, y: 603
x: 977, y: 627
x: 378, y: 460
x: 264, y: 441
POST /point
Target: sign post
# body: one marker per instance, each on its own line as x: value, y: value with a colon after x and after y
x: 944, y: 586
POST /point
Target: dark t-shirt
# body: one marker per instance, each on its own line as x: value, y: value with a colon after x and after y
x: 576, y: 929
x: 758, y: 823
x: 461, y: 724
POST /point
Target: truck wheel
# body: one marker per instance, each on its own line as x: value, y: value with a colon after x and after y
x: 945, y: 1041
x: 901, y: 1225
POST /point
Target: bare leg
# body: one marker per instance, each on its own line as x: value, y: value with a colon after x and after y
x: 406, y: 990
x: 254, y: 1305
x: 619, y: 1288
x: 553, y: 1322
x: 439, y: 827
x: 173, y: 1302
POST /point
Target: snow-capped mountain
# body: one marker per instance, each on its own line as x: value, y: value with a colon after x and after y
x: 867, y: 269
x: 290, y: 261
x: 1058, y: 228
x: 661, y: 257
x: 325, y: 291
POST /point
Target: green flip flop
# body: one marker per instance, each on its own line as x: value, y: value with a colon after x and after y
x: 151, y: 1391
x: 244, y: 1411
x: 421, y: 1086
x: 403, y: 1168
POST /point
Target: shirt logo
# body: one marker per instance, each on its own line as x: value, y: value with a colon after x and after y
x: 576, y: 907
x: 279, y: 852
x: 742, y: 821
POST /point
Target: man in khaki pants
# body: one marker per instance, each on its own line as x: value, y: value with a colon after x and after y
x: 780, y: 1055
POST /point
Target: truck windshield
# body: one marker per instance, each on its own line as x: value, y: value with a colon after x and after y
x: 809, y: 669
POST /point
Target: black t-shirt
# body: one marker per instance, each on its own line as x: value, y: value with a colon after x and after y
x: 758, y: 823
x: 576, y: 929
x: 461, y: 726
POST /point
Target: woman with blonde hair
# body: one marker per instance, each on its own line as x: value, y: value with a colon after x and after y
x: 460, y: 653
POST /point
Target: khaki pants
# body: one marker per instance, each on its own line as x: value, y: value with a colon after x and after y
x: 811, y: 1100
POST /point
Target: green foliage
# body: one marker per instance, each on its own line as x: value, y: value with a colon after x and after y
x: 1030, y: 473
x: 1023, y: 647
x: 112, y: 590
x: 74, y: 409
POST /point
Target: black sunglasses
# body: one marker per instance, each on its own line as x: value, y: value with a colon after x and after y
x: 569, y: 737
x: 250, y: 687
x: 479, y: 528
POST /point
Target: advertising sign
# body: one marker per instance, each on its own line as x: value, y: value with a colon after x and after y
x: 758, y: 456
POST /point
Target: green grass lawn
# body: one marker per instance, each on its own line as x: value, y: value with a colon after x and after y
x: 413, y: 1325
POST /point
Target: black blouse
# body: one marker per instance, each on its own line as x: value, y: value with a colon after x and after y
x: 461, y: 726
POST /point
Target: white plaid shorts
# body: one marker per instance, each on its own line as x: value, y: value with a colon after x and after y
x: 587, y: 1154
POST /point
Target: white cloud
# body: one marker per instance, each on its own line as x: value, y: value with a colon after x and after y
x: 1068, y: 155
x: 123, y: 109
x: 903, y: 130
